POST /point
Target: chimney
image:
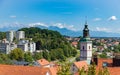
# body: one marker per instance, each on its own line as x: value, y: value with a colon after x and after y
x: 41, y: 60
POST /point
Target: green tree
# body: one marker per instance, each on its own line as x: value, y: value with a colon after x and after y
x: 37, y: 55
x: 46, y: 55
x: 4, y: 59
x: 28, y: 57
x: 92, y: 70
x: 64, y: 70
x: 82, y: 71
x: 17, y: 54
x: 103, y: 71
x: 103, y: 55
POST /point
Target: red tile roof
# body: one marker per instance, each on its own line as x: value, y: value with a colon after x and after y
x: 74, y: 43
x: 43, y: 62
x: 22, y: 70
x: 81, y: 64
x: 112, y: 70
x: 53, y: 70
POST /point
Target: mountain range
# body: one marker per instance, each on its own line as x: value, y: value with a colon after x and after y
x: 68, y: 32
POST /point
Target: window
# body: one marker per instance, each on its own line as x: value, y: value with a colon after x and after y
x: 89, y: 47
x: 83, y: 47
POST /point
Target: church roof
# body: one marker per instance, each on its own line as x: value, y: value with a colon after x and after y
x: 85, y: 39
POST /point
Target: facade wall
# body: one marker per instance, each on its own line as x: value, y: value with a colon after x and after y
x: 20, y: 35
x: 73, y: 69
x: 10, y: 36
x: 85, y: 50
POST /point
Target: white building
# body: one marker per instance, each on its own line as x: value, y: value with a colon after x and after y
x: 86, y: 46
x: 23, y: 44
x: 26, y: 45
x: 20, y: 35
x: 7, y: 47
x: 10, y: 36
x: 32, y: 46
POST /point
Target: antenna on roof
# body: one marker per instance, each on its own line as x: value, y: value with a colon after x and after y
x: 85, y: 20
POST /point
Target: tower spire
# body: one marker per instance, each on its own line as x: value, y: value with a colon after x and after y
x: 86, y: 30
x: 85, y: 20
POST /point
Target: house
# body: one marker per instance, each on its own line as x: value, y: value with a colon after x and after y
x: 78, y: 65
x: 42, y: 63
x: 23, y: 70
x: 113, y: 64
x: 74, y: 43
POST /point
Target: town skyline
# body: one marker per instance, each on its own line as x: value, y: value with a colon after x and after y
x: 102, y: 15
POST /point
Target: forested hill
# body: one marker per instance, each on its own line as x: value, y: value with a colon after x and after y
x: 47, y: 39
x: 52, y: 41
x: 2, y: 35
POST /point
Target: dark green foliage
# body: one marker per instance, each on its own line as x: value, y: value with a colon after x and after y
x: 82, y: 71
x: 4, y: 59
x: 17, y: 54
x: 64, y: 69
x: 46, y: 55
x: 77, y: 58
x: 92, y: 70
x: 2, y: 35
x: 52, y: 43
x: 103, y: 55
x: 28, y: 57
x: 37, y: 56
x: 103, y: 71
x: 117, y: 49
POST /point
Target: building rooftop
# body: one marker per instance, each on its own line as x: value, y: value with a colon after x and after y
x: 112, y: 70
x: 22, y: 70
x: 43, y: 62
x: 81, y: 64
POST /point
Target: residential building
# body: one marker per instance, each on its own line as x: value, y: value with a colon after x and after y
x: 42, y: 63
x: 32, y: 46
x: 23, y: 70
x: 7, y: 47
x: 78, y: 65
x: 74, y: 44
x: 20, y: 35
x: 10, y: 36
x: 26, y: 45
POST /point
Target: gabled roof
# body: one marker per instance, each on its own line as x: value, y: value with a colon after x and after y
x: 43, y: 62
x: 22, y: 70
x: 53, y: 70
x: 81, y: 64
x: 112, y: 70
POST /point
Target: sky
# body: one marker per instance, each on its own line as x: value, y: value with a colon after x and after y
x: 102, y: 15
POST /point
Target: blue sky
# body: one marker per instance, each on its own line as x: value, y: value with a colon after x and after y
x: 102, y: 15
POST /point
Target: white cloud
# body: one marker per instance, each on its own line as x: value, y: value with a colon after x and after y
x: 61, y: 25
x: 112, y: 18
x: 13, y: 16
x: 103, y: 29
x: 37, y: 24
x: 12, y: 25
x: 97, y: 19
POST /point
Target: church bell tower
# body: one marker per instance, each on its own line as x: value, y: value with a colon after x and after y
x: 86, y: 45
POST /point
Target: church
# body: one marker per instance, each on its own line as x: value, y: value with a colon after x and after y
x: 86, y: 46
x: 85, y: 51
